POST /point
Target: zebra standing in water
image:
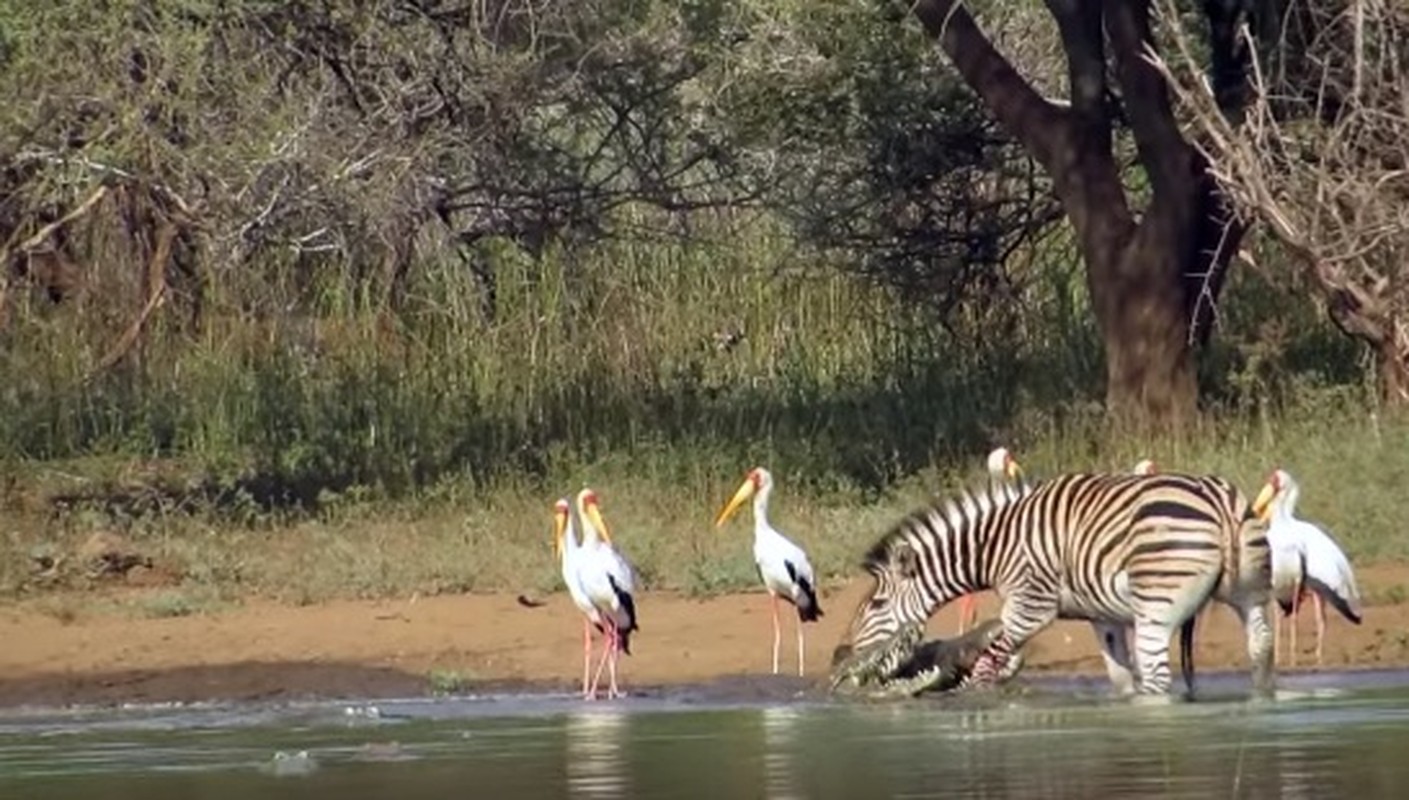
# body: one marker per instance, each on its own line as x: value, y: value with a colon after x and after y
x: 1148, y: 550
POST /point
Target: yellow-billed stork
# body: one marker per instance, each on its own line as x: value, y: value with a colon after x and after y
x: 782, y: 565
x: 569, y: 553
x: 1002, y: 468
x: 1305, y: 560
x: 609, y: 582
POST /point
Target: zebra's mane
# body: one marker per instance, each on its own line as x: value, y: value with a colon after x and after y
x: 969, y: 507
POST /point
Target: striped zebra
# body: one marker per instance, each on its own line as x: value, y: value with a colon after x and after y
x: 1113, y: 549
x: 1115, y: 638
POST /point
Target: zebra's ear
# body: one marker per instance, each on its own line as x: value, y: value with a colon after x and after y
x: 907, y: 562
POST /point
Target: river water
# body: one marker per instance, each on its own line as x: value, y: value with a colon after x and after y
x: 1325, y: 736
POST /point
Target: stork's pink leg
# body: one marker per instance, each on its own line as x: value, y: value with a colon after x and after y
x: 613, y: 691
x: 1320, y: 625
x: 777, y: 630
x: 610, y: 637
x: 586, y: 653
x: 1277, y: 637
x: 967, y: 611
x: 1296, y: 610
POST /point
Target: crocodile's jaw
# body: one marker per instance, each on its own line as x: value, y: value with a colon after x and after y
x: 878, y: 662
x: 905, y: 667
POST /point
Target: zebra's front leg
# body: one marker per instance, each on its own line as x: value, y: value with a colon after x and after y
x: 1115, y: 649
x: 1022, y: 616
x: 996, y: 664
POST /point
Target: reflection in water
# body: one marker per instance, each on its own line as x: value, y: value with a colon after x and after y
x: 1296, y: 769
x: 1023, y: 749
x: 779, y: 732
x: 596, y: 766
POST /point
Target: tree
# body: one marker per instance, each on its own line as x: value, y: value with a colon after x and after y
x: 876, y: 153
x: 1322, y: 159
x: 1153, y: 273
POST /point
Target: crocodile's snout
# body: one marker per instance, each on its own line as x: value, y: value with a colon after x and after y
x: 907, y: 666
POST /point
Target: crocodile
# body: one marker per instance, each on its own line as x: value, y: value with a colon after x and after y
x: 908, y: 667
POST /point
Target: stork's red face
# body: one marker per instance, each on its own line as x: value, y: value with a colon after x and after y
x: 753, y: 483
x: 591, y: 511
x: 1270, y: 490
x: 560, y: 523
x: 1001, y: 464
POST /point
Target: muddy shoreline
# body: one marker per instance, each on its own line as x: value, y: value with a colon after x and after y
x: 455, y: 645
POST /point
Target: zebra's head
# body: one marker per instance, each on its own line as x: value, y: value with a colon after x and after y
x: 930, y: 557
x: 889, y: 621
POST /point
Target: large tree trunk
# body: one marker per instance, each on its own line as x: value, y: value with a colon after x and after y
x: 1139, y: 304
x: 1153, y: 282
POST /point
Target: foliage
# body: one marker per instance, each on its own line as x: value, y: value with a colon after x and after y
x: 294, y: 289
x: 1320, y: 158
x: 875, y: 150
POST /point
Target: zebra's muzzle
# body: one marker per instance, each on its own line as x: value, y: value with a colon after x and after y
x: 903, y: 666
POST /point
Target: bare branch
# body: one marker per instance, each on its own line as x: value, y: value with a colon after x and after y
x: 1330, y: 186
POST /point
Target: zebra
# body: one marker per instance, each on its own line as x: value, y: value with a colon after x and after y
x: 1113, y: 549
x: 1115, y: 637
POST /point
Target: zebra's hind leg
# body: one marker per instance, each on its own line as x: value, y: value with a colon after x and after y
x: 1112, y: 636
x: 1152, y: 655
x: 1161, y: 609
x: 1254, y: 618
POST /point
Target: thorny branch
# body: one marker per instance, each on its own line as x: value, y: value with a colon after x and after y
x: 1328, y: 175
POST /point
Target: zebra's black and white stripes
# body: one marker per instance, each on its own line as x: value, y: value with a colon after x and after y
x: 1147, y: 550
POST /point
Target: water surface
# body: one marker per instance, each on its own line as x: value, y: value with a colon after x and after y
x: 1319, y: 739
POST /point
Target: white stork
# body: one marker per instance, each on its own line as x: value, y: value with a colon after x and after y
x: 782, y: 565
x: 609, y: 582
x: 570, y: 557
x: 1305, y: 560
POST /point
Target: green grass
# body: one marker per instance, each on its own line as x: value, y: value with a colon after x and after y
x: 458, y: 538
x: 447, y: 682
x: 325, y: 452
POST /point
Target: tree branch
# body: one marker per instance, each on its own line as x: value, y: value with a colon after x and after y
x: 1027, y: 115
x: 1229, y: 56
x: 1166, y: 156
x: 1083, y: 39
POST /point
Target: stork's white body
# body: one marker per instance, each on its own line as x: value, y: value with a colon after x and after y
x: 782, y: 565
x: 1305, y: 559
x: 572, y: 566
x: 609, y: 583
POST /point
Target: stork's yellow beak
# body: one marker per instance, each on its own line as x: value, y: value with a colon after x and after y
x: 560, y: 524
x: 1012, y: 469
x: 594, y: 513
x: 740, y: 497
x: 1264, y: 500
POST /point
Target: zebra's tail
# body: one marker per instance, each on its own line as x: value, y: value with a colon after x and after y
x: 1186, y: 652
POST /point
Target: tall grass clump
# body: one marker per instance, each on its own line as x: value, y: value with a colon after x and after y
x: 728, y: 352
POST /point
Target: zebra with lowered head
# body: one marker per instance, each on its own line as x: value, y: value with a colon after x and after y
x: 1141, y: 550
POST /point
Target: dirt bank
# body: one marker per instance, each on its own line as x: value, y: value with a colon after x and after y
x: 260, y: 650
